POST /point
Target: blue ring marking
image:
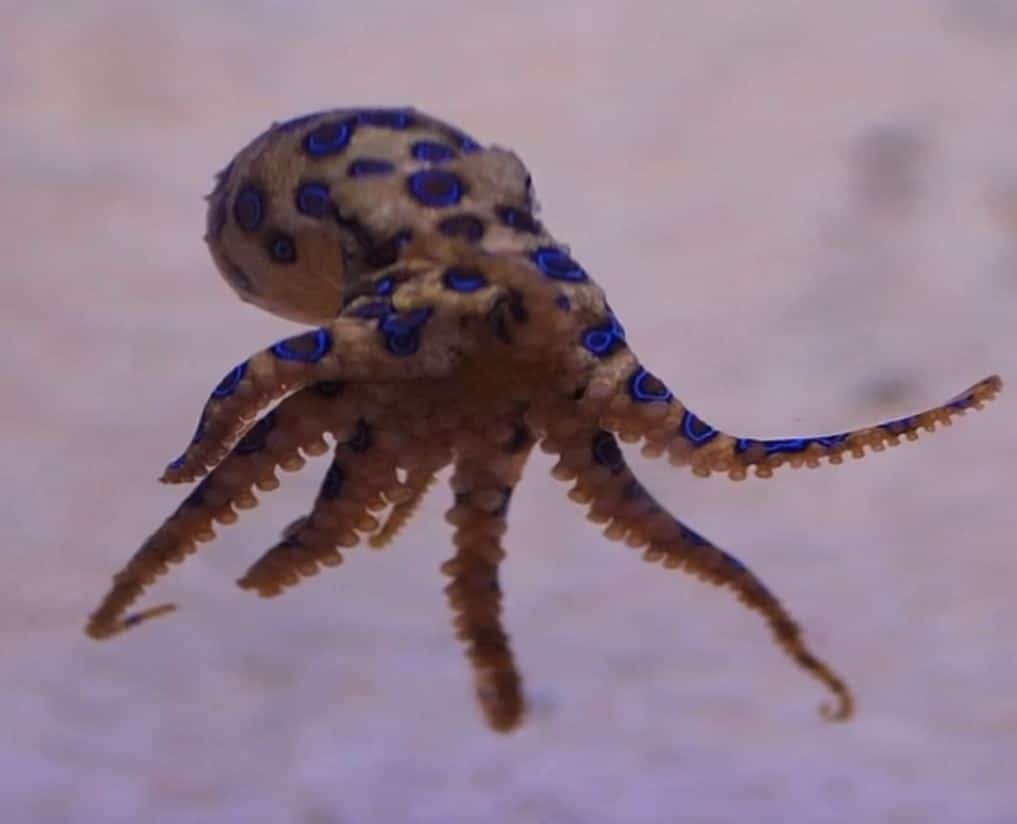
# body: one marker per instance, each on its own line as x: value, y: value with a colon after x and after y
x: 199, y: 430
x: 367, y: 166
x: 228, y: 385
x: 962, y: 403
x: 563, y: 302
x: 691, y: 535
x: 517, y: 219
x: 431, y: 152
x: 605, y: 339
x: 435, y: 187
x: 900, y: 425
x: 197, y: 496
x: 372, y: 310
x: 386, y: 118
x: 248, y: 209
x: 328, y: 138
x: 402, y: 331
x: 556, y: 264
x: 385, y: 286
x: 257, y: 436
x: 648, y: 394
x: 177, y: 463
x: 466, y: 143
x: 696, y: 430
x: 321, y: 338
x: 332, y: 484
x: 314, y: 199
x: 460, y: 279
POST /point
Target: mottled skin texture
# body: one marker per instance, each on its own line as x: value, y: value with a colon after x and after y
x: 453, y: 329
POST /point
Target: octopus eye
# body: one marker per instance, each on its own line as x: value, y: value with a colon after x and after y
x: 313, y: 199
x: 369, y: 166
x: 556, y: 264
x: 282, y: 249
x: 248, y: 209
x: 434, y: 187
x: 328, y: 138
x: 431, y: 152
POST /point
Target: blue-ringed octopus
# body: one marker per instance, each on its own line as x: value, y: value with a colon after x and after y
x: 450, y: 329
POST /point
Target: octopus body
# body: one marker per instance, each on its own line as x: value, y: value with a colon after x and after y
x: 450, y: 329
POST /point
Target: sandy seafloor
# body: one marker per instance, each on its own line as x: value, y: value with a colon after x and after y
x: 805, y: 214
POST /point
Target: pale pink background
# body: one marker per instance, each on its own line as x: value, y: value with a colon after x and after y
x: 806, y: 215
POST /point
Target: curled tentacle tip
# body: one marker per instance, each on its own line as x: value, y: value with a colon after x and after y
x: 841, y: 711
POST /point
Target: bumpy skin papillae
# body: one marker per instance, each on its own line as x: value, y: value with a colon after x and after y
x: 603, y: 481
x: 460, y: 326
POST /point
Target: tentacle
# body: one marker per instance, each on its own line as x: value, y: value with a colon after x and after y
x: 604, y: 481
x: 418, y: 481
x: 362, y: 479
x: 623, y: 397
x: 483, y: 482
x: 276, y: 441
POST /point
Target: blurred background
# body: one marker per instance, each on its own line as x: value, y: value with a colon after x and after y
x: 805, y: 214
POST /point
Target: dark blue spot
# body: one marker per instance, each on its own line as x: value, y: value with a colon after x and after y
x: 460, y: 279
x: 199, y: 430
x: 372, y: 310
x: 518, y: 219
x: 961, y: 403
x: 402, y: 331
x: 313, y: 199
x: 228, y: 385
x: 431, y: 152
x: 386, y: 118
x: 385, y: 286
x: 332, y: 485
x: 257, y: 436
x: 901, y: 425
x: 248, y: 209
x: 556, y: 264
x: 563, y: 302
x: 435, y: 187
x: 197, y: 496
x: 466, y: 143
x: 696, y: 430
x: 366, y: 166
x: 692, y: 536
x: 605, y: 339
x: 307, y: 348
x: 738, y: 566
x: 177, y: 463
x: 646, y: 387
x: 282, y: 249
x: 328, y: 138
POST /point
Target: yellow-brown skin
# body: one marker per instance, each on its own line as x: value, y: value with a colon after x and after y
x: 454, y: 330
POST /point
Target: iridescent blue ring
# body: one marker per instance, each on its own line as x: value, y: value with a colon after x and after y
x: 321, y: 338
x: 228, y: 385
x: 556, y: 264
